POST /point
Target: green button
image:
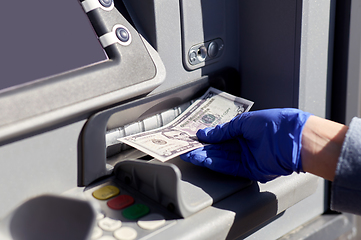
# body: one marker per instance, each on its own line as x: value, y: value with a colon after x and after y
x: 136, y: 211
x: 106, y: 192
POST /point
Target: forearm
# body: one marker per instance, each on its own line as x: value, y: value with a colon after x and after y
x: 321, y: 146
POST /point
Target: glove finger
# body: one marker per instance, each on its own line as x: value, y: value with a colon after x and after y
x: 222, y: 165
x: 235, y: 168
x: 200, y: 156
x: 226, y: 162
x: 196, y: 156
x: 223, y: 132
x: 217, y: 164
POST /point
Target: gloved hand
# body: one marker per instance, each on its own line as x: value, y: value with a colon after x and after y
x: 259, y: 145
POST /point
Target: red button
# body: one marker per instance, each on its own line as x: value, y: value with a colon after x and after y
x: 120, y: 202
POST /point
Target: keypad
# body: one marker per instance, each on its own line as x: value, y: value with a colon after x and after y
x: 125, y: 218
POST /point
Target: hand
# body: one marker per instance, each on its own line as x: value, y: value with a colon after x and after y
x: 259, y: 145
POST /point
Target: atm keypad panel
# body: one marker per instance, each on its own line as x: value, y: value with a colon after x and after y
x: 126, y: 215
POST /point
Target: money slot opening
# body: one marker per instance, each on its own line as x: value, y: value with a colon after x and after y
x: 100, y: 149
x: 146, y: 157
x: 130, y: 153
x: 117, y: 151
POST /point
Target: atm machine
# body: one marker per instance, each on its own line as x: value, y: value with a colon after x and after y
x: 77, y: 75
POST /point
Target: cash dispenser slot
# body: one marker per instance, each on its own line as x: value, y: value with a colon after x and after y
x: 104, y: 127
x: 93, y: 163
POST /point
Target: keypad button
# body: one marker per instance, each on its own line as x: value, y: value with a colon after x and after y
x: 120, y: 202
x: 136, y: 211
x: 97, y: 233
x: 108, y: 224
x: 106, y: 192
x: 125, y: 233
x: 151, y: 221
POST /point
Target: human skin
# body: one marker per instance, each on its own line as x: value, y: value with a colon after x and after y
x: 322, y: 141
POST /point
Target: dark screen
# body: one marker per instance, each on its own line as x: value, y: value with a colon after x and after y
x: 42, y: 38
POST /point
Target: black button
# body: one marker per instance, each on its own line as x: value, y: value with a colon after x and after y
x: 213, y: 49
x: 122, y: 34
x: 106, y: 3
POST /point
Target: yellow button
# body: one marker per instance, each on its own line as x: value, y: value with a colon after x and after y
x: 106, y: 192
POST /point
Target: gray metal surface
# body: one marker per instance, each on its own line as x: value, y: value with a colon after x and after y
x: 294, y: 216
x: 279, y: 49
x: 325, y: 227
x: 44, y: 163
x: 265, y: 211
x: 314, y: 57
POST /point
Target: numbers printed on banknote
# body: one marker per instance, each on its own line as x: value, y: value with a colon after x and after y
x: 179, y: 136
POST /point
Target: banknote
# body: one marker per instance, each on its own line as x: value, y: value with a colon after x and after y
x: 179, y: 136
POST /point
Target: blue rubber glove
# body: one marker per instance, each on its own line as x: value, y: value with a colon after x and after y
x: 259, y: 145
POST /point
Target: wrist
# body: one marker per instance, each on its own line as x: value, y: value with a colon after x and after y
x: 321, y: 146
